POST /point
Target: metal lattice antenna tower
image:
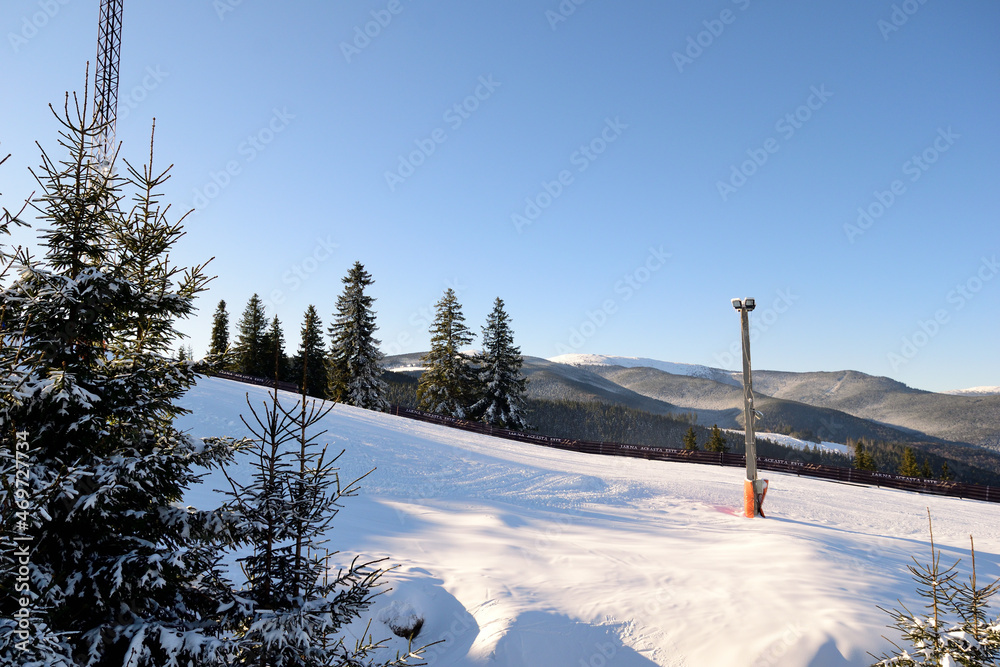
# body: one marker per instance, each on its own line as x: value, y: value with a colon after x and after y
x: 109, y: 40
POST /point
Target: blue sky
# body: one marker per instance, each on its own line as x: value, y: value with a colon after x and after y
x: 616, y: 172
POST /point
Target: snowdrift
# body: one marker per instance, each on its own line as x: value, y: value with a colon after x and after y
x: 517, y: 555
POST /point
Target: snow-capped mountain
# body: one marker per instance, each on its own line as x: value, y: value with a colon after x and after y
x: 845, y: 404
x: 975, y: 391
x: 692, y: 370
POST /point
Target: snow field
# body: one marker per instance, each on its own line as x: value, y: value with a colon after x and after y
x: 522, y: 555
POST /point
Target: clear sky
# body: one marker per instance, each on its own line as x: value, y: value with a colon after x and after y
x: 615, y: 171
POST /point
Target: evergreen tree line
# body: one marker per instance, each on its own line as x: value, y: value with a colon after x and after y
x: 902, y: 459
x: 489, y: 386
x: 101, y: 562
x: 484, y: 386
x: 349, y: 371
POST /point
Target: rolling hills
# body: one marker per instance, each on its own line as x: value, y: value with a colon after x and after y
x: 851, y: 404
x: 821, y: 406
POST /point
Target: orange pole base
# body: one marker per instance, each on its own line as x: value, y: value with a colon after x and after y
x: 750, y: 507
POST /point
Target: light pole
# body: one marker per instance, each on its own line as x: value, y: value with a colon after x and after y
x: 753, y: 489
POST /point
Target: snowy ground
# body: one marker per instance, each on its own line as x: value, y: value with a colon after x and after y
x: 521, y: 555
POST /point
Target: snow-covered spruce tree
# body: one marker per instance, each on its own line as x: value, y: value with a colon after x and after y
x: 448, y: 385
x: 955, y: 629
x: 220, y: 330
x: 110, y: 568
x: 354, y: 364
x: 501, y: 384
x: 249, y: 355
x: 274, y: 351
x: 286, y: 508
x: 309, y: 364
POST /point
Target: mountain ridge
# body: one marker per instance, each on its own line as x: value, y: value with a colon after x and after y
x: 972, y: 419
x: 832, y: 405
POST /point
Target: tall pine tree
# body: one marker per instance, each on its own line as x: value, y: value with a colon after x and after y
x: 250, y: 355
x: 863, y: 459
x: 447, y: 386
x: 312, y: 355
x: 908, y: 465
x: 274, y: 352
x: 119, y: 571
x: 502, y: 386
x: 220, y: 330
x: 354, y: 364
x: 716, y: 441
x: 690, y: 440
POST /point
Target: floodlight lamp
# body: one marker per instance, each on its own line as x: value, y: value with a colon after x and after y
x: 737, y: 304
x: 749, y: 303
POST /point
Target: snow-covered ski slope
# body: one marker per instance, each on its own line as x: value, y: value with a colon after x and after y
x: 521, y: 555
